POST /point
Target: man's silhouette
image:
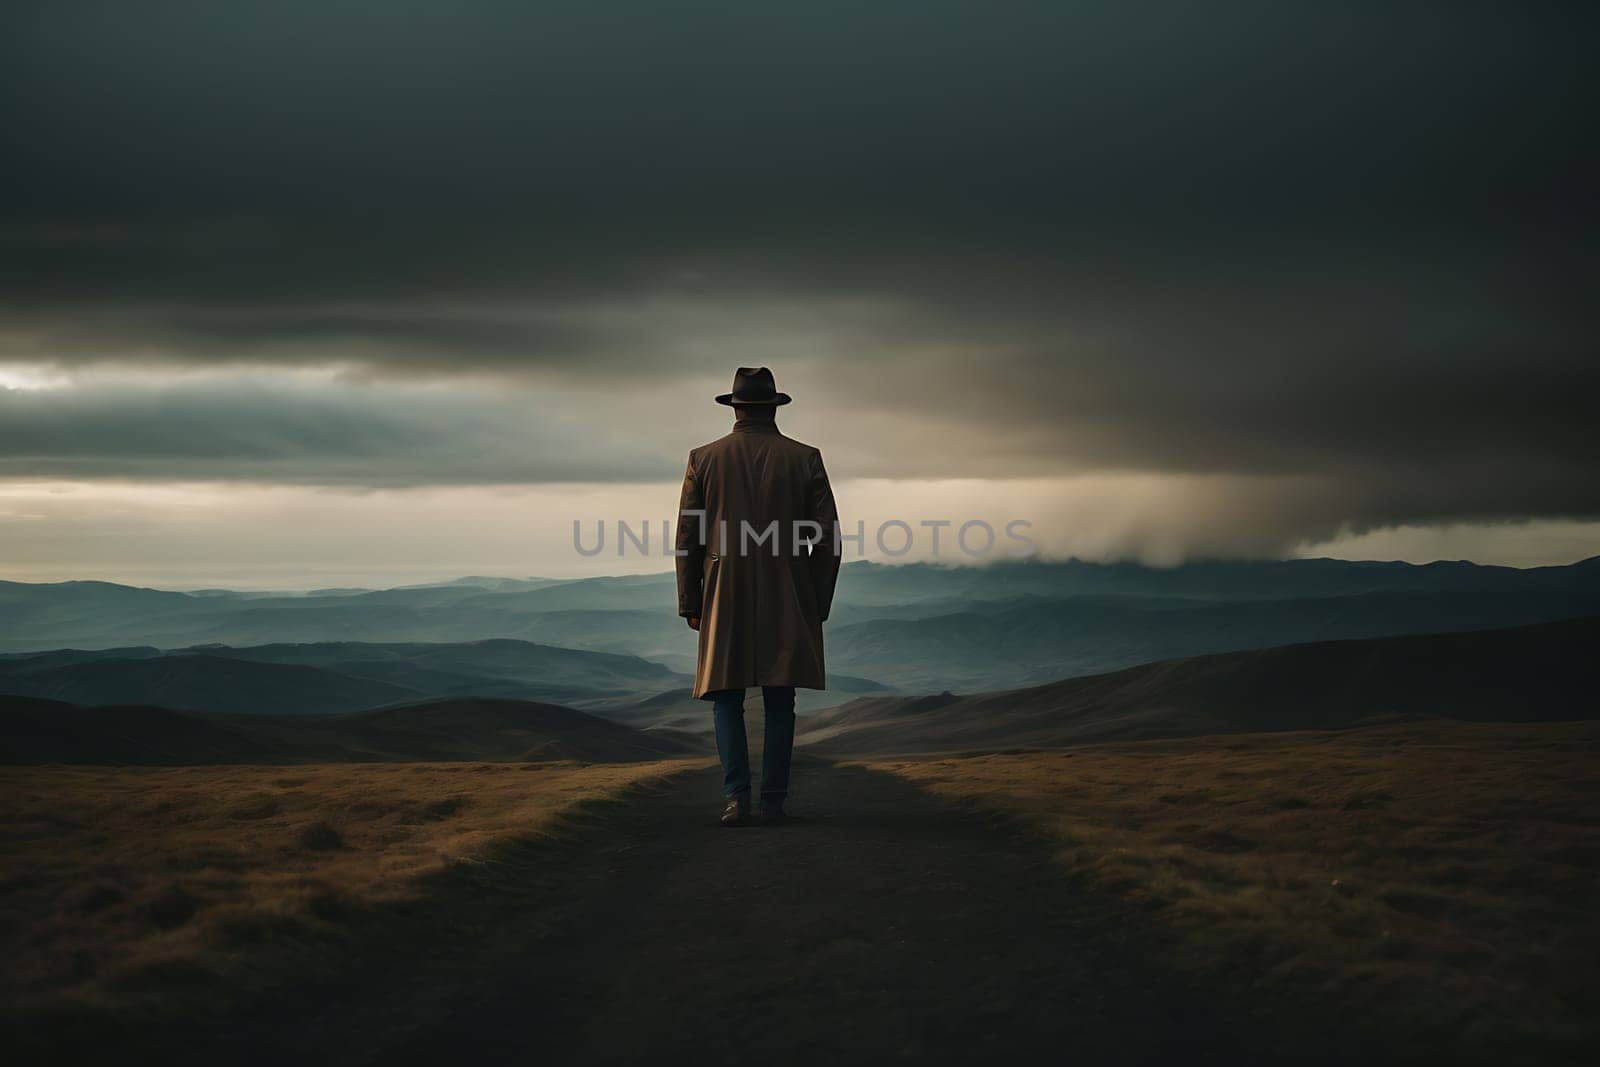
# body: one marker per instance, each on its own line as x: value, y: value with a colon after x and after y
x: 759, y: 557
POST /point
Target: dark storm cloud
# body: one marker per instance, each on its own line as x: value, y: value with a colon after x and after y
x: 1347, y: 242
x: 315, y: 432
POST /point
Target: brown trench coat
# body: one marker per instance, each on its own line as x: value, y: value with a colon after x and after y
x: 760, y: 608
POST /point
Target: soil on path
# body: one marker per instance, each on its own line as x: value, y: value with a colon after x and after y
x: 879, y: 923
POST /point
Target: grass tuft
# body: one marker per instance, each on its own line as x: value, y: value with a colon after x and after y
x: 151, y: 889
x: 1440, y: 876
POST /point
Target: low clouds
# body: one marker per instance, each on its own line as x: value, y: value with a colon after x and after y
x: 1322, y: 269
x: 306, y: 429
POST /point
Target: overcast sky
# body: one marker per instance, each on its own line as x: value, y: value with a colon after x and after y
x: 391, y: 289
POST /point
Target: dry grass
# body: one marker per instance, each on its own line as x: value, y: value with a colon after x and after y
x: 123, y: 888
x: 1435, y: 878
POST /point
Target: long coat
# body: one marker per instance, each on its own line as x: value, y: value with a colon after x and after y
x: 761, y: 597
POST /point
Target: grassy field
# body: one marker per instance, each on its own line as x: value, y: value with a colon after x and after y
x: 1437, y: 878
x: 134, y: 890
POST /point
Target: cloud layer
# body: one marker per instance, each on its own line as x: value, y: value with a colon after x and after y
x: 1346, y: 250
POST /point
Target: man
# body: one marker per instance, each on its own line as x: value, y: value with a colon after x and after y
x: 758, y: 559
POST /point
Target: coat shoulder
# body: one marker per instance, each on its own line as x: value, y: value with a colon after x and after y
x: 735, y: 444
x: 698, y: 453
x: 799, y: 449
x: 801, y: 446
x: 712, y: 446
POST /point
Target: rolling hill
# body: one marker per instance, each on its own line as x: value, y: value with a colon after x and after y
x: 1546, y: 671
x: 1005, y: 644
x: 201, y: 681
x: 914, y: 627
x: 329, y: 677
x: 675, y: 709
x: 42, y: 731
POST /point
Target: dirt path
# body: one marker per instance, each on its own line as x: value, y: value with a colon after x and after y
x: 878, y: 924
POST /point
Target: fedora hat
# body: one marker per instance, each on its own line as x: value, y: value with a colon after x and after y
x: 754, y: 385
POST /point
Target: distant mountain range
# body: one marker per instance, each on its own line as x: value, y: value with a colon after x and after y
x: 1543, y: 672
x: 1548, y: 671
x: 915, y: 627
x: 1027, y: 641
x: 315, y: 679
x: 677, y: 710
x: 872, y: 584
x: 43, y: 731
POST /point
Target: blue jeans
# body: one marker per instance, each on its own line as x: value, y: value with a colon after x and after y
x: 728, y: 712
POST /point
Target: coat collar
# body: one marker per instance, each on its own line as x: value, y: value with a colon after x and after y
x: 755, y: 426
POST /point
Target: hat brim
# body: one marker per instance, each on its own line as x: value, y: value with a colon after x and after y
x: 777, y: 400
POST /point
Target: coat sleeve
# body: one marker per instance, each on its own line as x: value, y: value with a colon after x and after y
x: 690, y: 541
x: 826, y: 554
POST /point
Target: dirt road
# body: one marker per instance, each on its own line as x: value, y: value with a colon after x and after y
x: 879, y: 924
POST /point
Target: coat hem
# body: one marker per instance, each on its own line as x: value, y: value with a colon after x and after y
x: 705, y: 694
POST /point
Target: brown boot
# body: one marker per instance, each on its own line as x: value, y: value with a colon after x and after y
x: 736, y: 811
